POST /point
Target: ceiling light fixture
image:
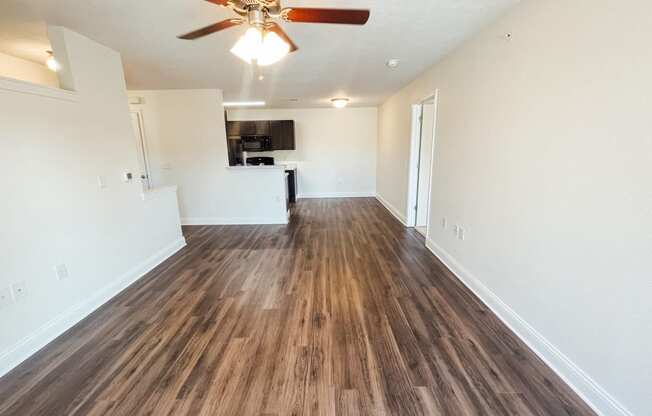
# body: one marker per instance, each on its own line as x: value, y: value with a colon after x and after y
x: 340, y: 102
x: 392, y: 63
x: 244, y: 104
x: 260, y: 47
x: 52, y: 63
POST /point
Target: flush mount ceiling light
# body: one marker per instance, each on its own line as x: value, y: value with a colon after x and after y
x: 265, y: 42
x: 244, y: 104
x: 340, y: 102
x: 52, y: 63
x: 392, y: 63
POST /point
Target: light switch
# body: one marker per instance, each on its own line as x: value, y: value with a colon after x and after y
x: 19, y: 290
x: 61, y: 271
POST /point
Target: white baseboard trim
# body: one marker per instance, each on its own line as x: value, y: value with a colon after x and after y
x: 392, y: 210
x: 26, y: 347
x: 331, y: 195
x: 588, y: 389
x: 234, y: 221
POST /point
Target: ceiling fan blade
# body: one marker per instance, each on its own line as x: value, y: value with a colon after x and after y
x: 216, y: 27
x: 273, y: 27
x: 219, y: 2
x: 341, y: 16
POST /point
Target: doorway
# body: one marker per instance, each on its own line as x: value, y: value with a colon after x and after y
x: 141, y: 144
x: 424, y: 117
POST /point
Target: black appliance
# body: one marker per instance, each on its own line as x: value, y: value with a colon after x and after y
x: 257, y: 161
x: 256, y: 144
x: 292, y: 185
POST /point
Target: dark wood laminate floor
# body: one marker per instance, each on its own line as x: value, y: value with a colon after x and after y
x: 343, y: 312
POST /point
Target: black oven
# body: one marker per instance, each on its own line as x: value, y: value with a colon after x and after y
x: 256, y: 144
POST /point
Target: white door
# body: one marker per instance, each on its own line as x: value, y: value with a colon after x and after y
x: 425, y: 164
x: 143, y: 162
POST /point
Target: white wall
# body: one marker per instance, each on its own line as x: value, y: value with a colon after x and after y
x: 544, y: 154
x: 335, y: 148
x: 21, y: 69
x: 53, y: 147
x: 186, y: 137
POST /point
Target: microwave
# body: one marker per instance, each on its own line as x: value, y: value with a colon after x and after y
x: 256, y: 144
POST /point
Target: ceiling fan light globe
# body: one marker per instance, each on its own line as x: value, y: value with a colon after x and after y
x: 248, y: 47
x: 273, y: 49
x: 264, y: 49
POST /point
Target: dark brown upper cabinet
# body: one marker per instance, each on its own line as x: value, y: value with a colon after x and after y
x: 283, y: 135
x: 247, y: 128
x: 281, y: 131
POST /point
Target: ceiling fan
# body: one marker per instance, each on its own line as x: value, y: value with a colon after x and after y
x: 265, y: 41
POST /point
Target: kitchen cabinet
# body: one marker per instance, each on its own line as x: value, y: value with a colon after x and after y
x: 235, y: 152
x: 248, y: 128
x: 282, y: 132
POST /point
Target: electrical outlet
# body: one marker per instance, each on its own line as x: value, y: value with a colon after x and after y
x: 19, y: 290
x: 5, y: 298
x: 61, y: 271
x: 444, y: 223
x: 461, y: 233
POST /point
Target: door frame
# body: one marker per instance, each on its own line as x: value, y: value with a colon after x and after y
x: 415, y: 155
x: 144, y: 148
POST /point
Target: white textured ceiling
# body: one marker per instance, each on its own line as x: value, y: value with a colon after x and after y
x: 333, y: 60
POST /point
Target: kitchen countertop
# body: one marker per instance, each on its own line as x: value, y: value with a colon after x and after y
x: 240, y: 167
x: 284, y: 166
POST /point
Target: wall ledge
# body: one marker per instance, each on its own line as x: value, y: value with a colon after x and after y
x: 155, y: 192
x: 23, y: 87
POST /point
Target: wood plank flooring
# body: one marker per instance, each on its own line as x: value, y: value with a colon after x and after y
x: 343, y: 312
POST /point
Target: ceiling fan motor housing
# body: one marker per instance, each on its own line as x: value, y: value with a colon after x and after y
x: 256, y: 17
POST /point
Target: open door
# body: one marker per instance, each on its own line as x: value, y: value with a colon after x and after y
x: 421, y: 164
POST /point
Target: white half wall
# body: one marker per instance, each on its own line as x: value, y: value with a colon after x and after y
x: 544, y: 156
x: 186, y: 138
x: 335, y: 148
x: 56, y: 147
x: 24, y: 70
